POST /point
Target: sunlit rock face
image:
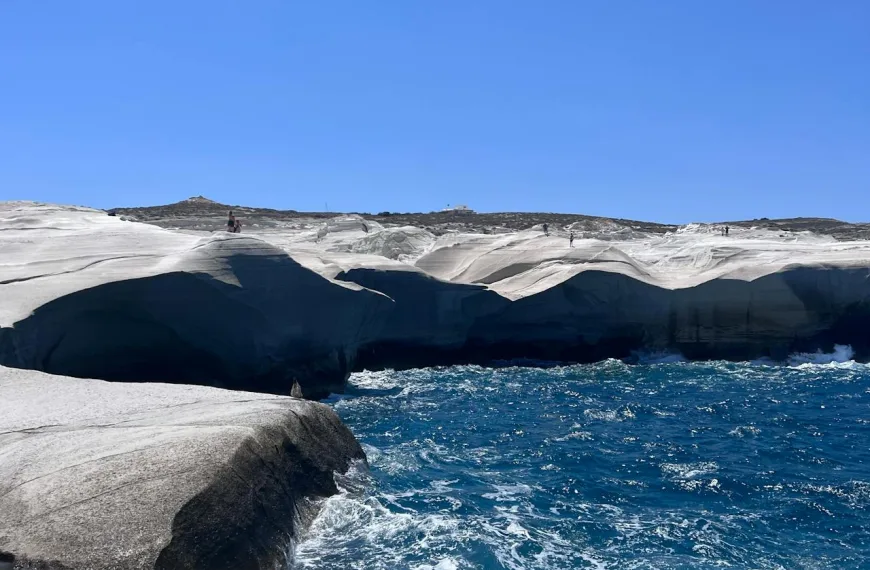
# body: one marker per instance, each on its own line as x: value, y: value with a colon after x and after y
x: 310, y: 300
x: 105, y: 475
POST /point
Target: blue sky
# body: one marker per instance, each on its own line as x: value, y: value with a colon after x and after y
x: 661, y: 110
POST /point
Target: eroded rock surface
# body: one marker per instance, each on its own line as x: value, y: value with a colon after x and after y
x: 751, y: 294
x: 311, y: 299
x: 98, y: 475
x: 88, y: 295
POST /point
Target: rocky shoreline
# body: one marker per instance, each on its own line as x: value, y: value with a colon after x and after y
x: 138, y: 474
x: 129, y: 476
x: 98, y: 297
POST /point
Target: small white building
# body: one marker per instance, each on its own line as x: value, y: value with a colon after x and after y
x: 459, y: 208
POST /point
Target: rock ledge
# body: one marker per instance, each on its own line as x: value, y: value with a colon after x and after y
x: 99, y: 475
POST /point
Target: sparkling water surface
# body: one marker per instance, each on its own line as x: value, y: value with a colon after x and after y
x: 675, y: 465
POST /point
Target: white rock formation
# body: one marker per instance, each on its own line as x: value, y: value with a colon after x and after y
x: 403, y: 244
x: 752, y: 292
x: 353, y: 234
x: 672, y: 261
x: 103, y: 475
x: 98, y: 475
x: 91, y: 295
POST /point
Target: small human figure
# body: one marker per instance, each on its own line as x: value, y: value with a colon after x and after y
x: 571, y: 239
x: 546, y: 230
x: 237, y: 229
x: 726, y: 230
x: 231, y: 222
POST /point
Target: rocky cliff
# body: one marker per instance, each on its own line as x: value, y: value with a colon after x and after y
x: 91, y: 295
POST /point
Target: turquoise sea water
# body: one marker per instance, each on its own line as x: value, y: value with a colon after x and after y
x: 675, y: 465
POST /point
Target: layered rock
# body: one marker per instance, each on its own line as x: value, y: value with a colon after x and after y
x: 101, y: 475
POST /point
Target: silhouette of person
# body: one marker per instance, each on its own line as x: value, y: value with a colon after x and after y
x: 726, y: 230
x: 546, y: 230
x: 231, y: 222
x: 571, y: 239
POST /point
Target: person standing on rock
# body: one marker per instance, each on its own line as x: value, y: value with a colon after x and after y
x: 546, y: 230
x: 571, y: 239
x: 727, y: 229
x: 231, y: 222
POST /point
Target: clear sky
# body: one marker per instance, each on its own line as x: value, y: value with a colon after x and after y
x: 665, y: 110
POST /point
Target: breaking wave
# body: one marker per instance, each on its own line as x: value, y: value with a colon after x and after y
x: 842, y: 354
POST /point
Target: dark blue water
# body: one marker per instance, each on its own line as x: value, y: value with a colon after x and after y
x: 680, y: 465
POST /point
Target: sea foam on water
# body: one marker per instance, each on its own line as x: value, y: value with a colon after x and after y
x: 484, y: 468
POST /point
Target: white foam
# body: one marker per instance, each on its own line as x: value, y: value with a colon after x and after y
x: 517, y: 529
x: 378, y: 380
x: 659, y: 357
x: 508, y: 492
x: 444, y: 564
x: 622, y: 414
x: 685, y: 471
x: 352, y: 525
x: 842, y: 354
x: 744, y: 431
x: 581, y: 435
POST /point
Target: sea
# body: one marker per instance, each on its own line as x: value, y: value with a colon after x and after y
x: 665, y: 464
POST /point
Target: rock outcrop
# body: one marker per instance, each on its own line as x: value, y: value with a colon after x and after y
x: 430, y: 321
x: 705, y: 296
x: 89, y: 295
x: 92, y: 296
x: 97, y: 475
x: 599, y: 314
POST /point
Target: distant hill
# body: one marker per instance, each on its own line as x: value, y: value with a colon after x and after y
x: 841, y: 230
x: 199, y: 212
